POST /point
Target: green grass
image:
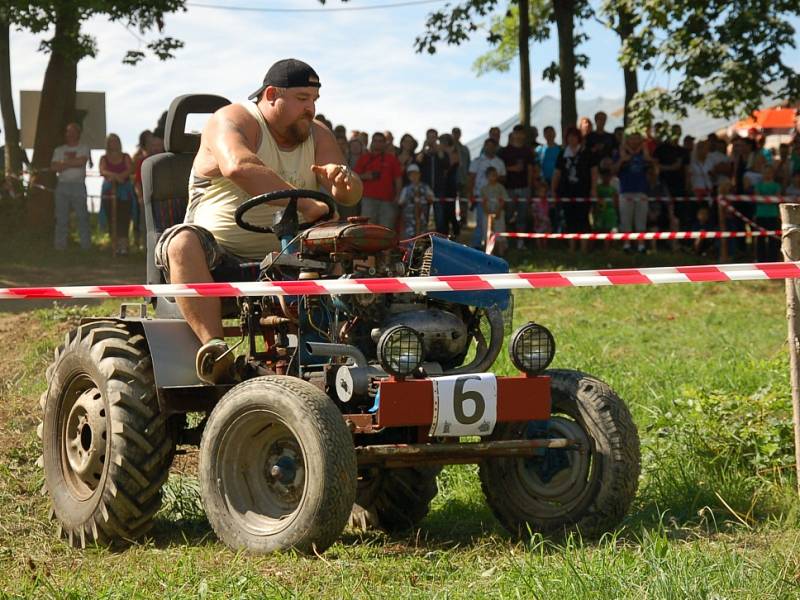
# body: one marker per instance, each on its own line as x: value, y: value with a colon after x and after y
x: 705, y: 372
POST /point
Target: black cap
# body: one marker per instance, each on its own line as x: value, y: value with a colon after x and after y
x: 288, y: 73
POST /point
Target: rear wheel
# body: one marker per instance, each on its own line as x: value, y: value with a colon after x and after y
x: 106, y: 447
x: 277, y: 467
x: 560, y: 489
x: 394, y: 499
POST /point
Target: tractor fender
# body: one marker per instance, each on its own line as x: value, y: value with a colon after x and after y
x: 173, y: 349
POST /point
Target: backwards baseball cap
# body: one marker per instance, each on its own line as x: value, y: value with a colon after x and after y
x: 412, y: 168
x: 288, y: 73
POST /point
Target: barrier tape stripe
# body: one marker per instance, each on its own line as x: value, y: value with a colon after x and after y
x: 447, y: 283
x: 561, y: 200
x: 642, y: 235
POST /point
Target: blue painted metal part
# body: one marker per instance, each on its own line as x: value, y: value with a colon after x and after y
x: 452, y: 258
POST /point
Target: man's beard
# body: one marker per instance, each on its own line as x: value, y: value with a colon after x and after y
x: 297, y: 132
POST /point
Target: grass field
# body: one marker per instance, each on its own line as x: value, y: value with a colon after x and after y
x: 704, y: 369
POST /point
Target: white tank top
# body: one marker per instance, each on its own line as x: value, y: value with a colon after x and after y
x: 213, y: 200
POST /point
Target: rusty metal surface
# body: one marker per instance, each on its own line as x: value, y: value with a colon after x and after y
x: 410, y: 402
x: 401, y: 455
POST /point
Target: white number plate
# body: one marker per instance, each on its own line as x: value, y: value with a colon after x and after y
x: 464, y: 405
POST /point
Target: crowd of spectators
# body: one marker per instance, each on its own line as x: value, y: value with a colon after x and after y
x: 635, y: 176
x: 437, y: 185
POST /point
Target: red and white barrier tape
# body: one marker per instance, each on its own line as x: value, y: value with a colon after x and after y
x: 447, y: 283
x: 640, y: 236
x: 593, y: 199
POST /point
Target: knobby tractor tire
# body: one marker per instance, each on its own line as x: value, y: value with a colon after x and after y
x: 106, y: 447
x: 587, y: 492
x: 394, y: 500
x: 277, y: 467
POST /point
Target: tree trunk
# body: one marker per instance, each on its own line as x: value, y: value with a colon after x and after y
x: 56, y: 109
x: 564, y: 11
x: 524, y: 66
x: 624, y: 31
x: 13, y: 153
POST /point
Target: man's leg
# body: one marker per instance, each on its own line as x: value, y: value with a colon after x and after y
x: 62, y: 218
x: 187, y: 264
x: 82, y: 215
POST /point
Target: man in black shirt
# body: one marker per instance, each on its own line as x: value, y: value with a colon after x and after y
x: 600, y: 142
x: 673, y: 160
x: 520, y: 162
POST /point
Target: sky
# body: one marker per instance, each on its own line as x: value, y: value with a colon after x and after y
x: 372, y: 78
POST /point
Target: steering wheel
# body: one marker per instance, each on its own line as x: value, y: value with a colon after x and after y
x: 289, y: 223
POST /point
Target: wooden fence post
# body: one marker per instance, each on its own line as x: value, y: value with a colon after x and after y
x: 790, y: 219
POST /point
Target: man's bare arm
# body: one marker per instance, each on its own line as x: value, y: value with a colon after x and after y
x: 231, y: 136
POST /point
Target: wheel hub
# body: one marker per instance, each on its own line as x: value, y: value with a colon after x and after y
x: 85, y: 438
x: 285, y: 472
x: 558, y: 474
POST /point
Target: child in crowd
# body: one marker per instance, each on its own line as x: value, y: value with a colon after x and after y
x: 702, y: 222
x: 415, y: 198
x: 493, y: 199
x: 540, y: 210
x: 767, y: 214
x: 604, y: 212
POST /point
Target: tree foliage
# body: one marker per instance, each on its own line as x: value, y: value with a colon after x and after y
x: 38, y: 17
x: 504, y: 35
x: 722, y: 56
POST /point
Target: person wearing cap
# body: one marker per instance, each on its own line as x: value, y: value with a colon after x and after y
x: 272, y: 143
x: 415, y: 198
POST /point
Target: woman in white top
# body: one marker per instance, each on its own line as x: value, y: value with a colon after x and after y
x: 700, y: 171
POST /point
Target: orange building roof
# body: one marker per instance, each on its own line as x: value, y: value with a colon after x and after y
x: 770, y: 118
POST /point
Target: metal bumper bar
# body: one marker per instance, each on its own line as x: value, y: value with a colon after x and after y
x: 405, y: 455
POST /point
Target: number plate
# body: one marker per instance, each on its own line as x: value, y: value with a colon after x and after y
x: 464, y: 405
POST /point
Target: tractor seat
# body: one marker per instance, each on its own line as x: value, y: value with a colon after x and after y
x: 165, y: 188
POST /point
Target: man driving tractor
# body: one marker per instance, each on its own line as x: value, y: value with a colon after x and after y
x: 247, y: 149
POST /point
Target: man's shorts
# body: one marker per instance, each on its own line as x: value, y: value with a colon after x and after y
x: 223, y: 265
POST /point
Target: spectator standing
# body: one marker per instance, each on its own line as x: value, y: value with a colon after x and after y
x: 520, y: 162
x: 414, y: 200
x: 547, y: 154
x: 575, y: 176
x: 382, y: 177
x: 600, y: 142
x: 494, y: 133
x: 585, y: 127
x: 534, y: 139
x: 795, y: 155
x: 390, y: 147
x: 720, y: 166
x: 364, y: 137
x: 69, y: 162
x: 464, y: 160
x: 407, y: 154
x: 783, y: 166
x: 355, y: 151
x: 793, y: 189
x: 660, y: 213
x: 478, y: 180
x: 433, y: 162
x: 673, y: 162
x: 619, y: 136
x: 766, y: 215
x: 700, y: 171
x: 139, y: 225
x: 118, y: 196
x: 444, y: 210
x: 631, y: 166
x: 494, y: 198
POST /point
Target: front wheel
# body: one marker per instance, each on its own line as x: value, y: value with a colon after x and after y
x: 277, y: 467
x: 587, y: 490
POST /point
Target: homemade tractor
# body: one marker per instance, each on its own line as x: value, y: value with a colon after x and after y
x: 347, y: 405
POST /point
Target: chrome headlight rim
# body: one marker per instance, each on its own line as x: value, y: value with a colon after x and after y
x: 397, y: 361
x: 529, y: 338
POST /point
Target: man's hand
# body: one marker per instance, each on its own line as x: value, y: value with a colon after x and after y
x: 339, y: 177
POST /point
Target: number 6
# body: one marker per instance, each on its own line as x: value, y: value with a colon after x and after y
x: 460, y: 396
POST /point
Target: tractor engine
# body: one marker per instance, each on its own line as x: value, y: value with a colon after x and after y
x: 344, y: 337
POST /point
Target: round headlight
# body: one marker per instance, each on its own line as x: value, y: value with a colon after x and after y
x: 532, y: 348
x: 400, y: 350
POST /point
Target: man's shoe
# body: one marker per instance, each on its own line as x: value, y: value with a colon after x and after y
x: 214, y: 363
